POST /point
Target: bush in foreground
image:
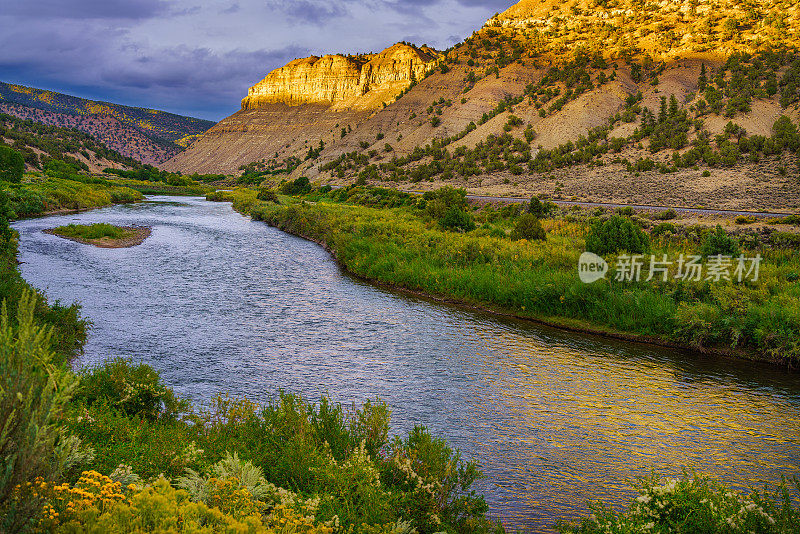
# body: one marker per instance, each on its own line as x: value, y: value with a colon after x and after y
x: 528, y: 227
x: 33, y: 394
x: 718, y: 242
x: 697, y: 504
x: 259, y: 463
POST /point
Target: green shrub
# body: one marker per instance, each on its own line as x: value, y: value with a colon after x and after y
x: 718, y: 242
x: 457, y: 219
x: 440, y: 201
x: 616, y: 234
x: 435, y: 485
x: 626, y: 211
x: 540, y: 209
x: 663, y: 228
x: 697, y: 504
x: 7, y: 235
x: 666, y: 215
x: 267, y: 195
x: 134, y: 390
x: 528, y: 227
x: 12, y: 165
x: 33, y: 395
x: 299, y: 186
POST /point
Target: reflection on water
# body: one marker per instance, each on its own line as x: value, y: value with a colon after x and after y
x: 218, y: 303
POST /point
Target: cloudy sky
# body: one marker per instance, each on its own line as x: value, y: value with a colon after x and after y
x: 197, y: 57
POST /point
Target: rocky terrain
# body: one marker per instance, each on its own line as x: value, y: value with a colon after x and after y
x: 565, y: 99
x: 307, y: 102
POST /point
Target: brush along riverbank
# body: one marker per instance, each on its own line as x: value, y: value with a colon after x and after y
x: 38, y: 196
x: 406, y: 247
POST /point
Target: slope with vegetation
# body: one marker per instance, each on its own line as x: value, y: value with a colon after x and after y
x: 56, y: 158
x: 159, y: 124
x: 608, y: 101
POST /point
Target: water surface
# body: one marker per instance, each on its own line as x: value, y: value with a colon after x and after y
x: 220, y: 304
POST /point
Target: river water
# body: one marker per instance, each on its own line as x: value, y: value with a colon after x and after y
x: 220, y: 304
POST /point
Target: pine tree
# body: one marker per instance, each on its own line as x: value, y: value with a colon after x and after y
x: 702, y: 82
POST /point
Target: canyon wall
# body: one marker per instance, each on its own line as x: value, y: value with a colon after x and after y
x: 334, y: 79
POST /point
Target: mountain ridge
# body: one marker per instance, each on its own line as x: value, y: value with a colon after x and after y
x: 515, y: 107
x: 161, y: 124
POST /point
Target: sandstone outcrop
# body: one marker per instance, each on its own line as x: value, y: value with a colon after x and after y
x: 337, y: 79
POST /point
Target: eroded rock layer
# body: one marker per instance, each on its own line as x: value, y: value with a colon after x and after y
x: 336, y: 79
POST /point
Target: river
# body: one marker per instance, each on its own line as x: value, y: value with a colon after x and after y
x: 221, y: 304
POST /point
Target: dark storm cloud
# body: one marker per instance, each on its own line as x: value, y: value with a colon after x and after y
x: 313, y: 11
x: 85, y: 9
x: 199, y: 58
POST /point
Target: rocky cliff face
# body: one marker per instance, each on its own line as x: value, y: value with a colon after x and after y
x: 336, y: 79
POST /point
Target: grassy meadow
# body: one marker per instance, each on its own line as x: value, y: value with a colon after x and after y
x: 92, y: 231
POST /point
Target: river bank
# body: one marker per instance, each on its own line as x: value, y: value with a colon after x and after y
x: 397, y: 248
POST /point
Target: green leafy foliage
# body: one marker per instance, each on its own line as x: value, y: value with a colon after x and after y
x: 297, y: 186
x: 133, y: 389
x: 616, y: 234
x: 457, y: 219
x: 34, y: 392
x: 11, y: 164
x: 718, y: 242
x: 696, y: 503
x: 540, y: 209
x: 267, y: 195
x: 528, y: 227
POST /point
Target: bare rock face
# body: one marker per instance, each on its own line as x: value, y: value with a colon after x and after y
x: 343, y: 80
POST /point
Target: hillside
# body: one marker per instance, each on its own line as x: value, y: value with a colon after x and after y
x: 41, y: 143
x: 116, y: 135
x: 148, y: 135
x: 675, y: 102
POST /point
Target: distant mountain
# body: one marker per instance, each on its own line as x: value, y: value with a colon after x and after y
x: 147, y: 135
x: 167, y: 126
